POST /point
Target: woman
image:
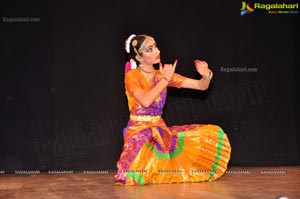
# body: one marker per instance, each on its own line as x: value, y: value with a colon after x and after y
x: 153, y: 152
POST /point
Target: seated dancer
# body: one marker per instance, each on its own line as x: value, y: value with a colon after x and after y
x: 154, y: 153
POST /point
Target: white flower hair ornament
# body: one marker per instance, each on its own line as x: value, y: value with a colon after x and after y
x: 127, y: 43
x: 132, y: 63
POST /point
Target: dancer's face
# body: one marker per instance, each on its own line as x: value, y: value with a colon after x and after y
x: 150, y: 54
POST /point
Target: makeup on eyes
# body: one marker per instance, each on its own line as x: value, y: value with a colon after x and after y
x: 150, y: 48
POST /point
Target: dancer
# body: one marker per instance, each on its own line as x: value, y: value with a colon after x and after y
x: 154, y: 153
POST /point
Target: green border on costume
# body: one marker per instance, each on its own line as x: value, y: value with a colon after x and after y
x: 173, y: 154
x: 221, y: 135
x: 140, y: 180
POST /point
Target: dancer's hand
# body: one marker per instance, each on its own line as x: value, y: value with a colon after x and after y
x: 167, y: 70
x: 202, y: 68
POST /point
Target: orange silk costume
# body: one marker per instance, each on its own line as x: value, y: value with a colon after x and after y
x: 155, y: 153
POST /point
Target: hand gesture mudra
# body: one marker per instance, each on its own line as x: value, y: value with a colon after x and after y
x: 167, y: 70
x: 202, y: 68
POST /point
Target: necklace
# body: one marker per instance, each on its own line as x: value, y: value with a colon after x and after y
x: 145, y: 71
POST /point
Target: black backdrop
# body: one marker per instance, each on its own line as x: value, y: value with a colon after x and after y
x: 62, y: 101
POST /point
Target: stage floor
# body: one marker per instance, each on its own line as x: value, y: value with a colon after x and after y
x: 238, y: 182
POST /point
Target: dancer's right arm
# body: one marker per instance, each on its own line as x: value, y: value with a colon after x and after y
x: 147, y: 98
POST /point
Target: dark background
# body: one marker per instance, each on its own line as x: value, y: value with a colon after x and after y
x: 62, y: 100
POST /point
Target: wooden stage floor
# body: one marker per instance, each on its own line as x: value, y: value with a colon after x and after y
x: 238, y: 182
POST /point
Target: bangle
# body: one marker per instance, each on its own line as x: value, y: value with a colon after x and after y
x: 166, y: 79
x: 209, y: 77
